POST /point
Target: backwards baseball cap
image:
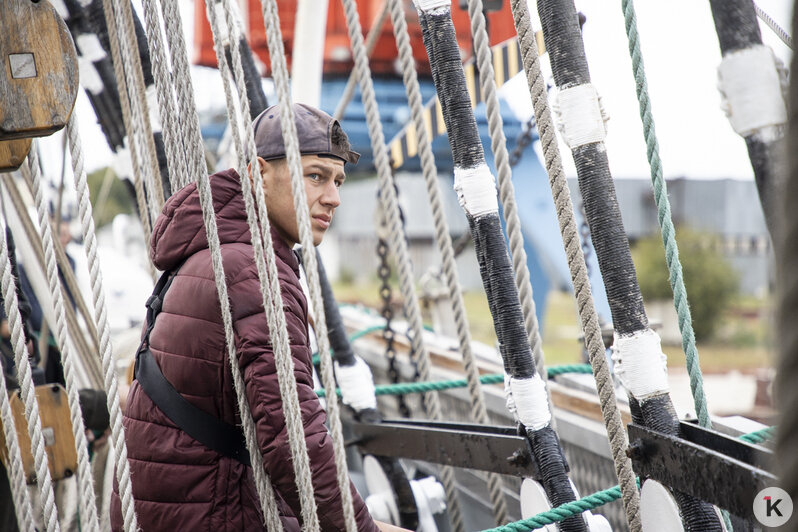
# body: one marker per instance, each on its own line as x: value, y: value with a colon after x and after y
x: 314, y: 129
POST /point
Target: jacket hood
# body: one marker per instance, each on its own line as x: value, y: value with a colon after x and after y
x: 180, y: 232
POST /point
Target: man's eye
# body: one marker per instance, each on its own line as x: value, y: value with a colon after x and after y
x: 314, y: 177
x: 338, y: 183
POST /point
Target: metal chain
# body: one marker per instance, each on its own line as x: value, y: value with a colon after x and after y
x: 524, y: 139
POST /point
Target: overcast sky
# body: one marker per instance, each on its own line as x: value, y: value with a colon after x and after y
x: 681, y: 54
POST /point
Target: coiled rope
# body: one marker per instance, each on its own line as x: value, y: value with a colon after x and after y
x: 576, y: 264
x: 398, y: 242
x: 444, y: 242
x: 19, y: 489
x: 665, y: 218
x: 101, y: 317
x: 88, y: 508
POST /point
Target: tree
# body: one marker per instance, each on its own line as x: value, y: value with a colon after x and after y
x: 710, y: 280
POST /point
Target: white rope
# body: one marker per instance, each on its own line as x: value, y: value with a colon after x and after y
x: 101, y: 319
x: 398, y: 242
x: 268, y: 284
x: 187, y: 110
x: 273, y: 303
x: 778, y: 30
x: 88, y: 508
x: 444, y: 242
x: 173, y: 145
x: 124, y: 49
x: 133, y: 146
x: 280, y: 74
x: 16, y: 469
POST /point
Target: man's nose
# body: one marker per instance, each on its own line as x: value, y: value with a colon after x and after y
x: 331, y: 196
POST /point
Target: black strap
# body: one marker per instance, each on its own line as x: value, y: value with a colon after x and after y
x: 209, y: 430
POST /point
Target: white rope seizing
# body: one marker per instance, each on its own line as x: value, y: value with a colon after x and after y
x: 122, y: 466
x: 88, y: 507
x: 431, y: 5
x: 531, y: 401
x: 357, y: 385
x: 581, y: 119
x: 640, y: 364
x: 476, y: 190
x: 750, y: 84
x: 17, y: 481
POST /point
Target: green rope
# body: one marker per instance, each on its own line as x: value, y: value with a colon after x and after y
x: 665, y: 219
x: 595, y: 500
x: 759, y: 436
x: 405, y: 388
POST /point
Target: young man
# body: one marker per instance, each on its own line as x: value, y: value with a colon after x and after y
x: 178, y: 482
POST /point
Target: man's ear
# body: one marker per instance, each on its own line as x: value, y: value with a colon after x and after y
x: 263, y: 168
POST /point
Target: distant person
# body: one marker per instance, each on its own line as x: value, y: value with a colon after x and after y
x: 183, y: 483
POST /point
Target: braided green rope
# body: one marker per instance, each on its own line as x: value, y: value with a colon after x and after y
x: 759, y: 436
x: 405, y: 388
x: 665, y: 219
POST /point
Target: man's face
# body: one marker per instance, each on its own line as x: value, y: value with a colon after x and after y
x: 322, y: 177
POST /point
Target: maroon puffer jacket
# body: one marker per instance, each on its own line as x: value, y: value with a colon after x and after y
x: 178, y: 483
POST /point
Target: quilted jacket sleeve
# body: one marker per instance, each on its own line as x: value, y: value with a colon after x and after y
x: 256, y: 358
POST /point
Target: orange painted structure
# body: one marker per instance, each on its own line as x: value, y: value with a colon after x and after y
x: 337, y: 55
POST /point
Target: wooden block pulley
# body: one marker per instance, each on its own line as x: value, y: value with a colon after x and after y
x: 59, y: 442
x: 39, y: 75
x: 13, y: 153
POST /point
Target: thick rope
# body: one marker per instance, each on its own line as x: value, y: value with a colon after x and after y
x: 265, y: 490
x: 101, y: 317
x: 273, y: 302
x: 504, y: 176
x: 665, y: 219
x: 187, y: 110
x: 280, y: 74
x: 444, y: 242
x: 19, y: 489
x: 398, y: 242
x: 173, y: 145
x: 88, y: 508
x: 773, y: 25
x: 576, y: 264
x: 759, y: 436
x: 123, y: 12
x: 137, y: 158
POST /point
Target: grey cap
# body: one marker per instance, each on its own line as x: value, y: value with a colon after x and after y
x: 314, y: 130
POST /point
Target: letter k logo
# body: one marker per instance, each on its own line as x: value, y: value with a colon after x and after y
x: 772, y: 506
